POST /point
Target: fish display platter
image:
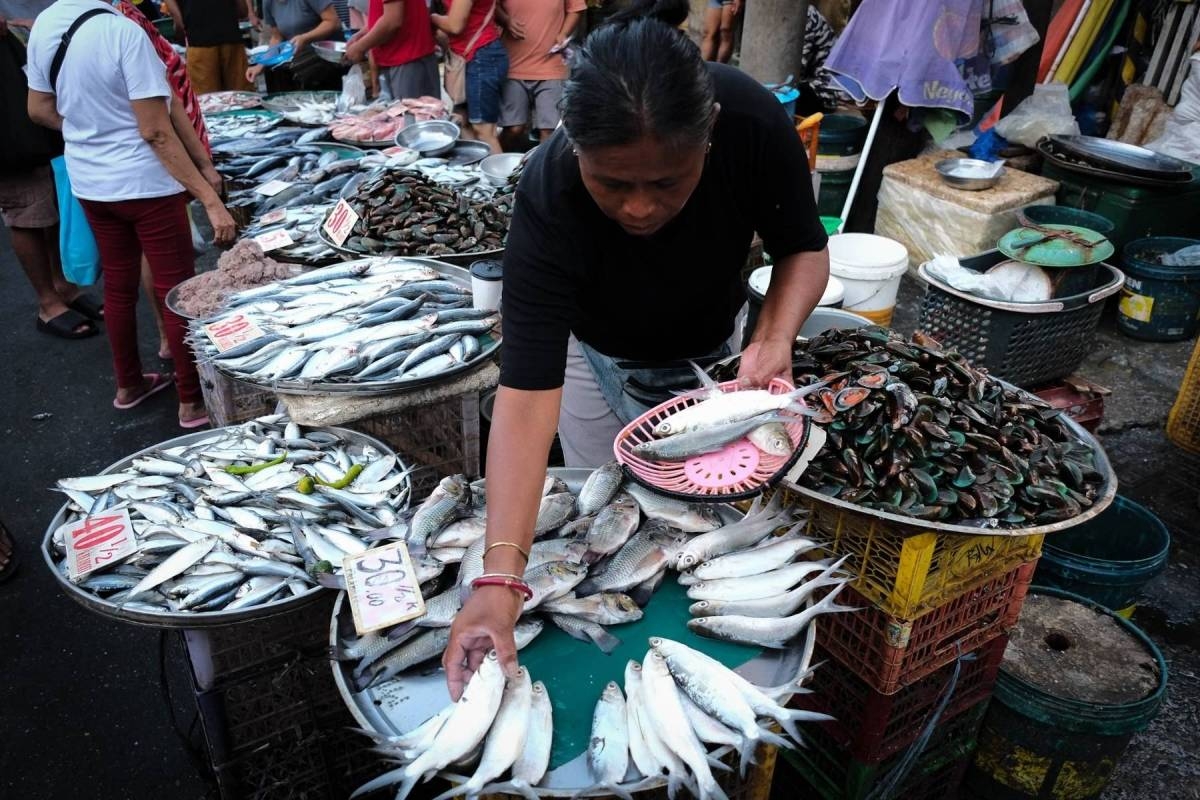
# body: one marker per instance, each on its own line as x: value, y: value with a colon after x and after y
x: 187, y: 620
x: 403, y: 703
x: 489, y: 346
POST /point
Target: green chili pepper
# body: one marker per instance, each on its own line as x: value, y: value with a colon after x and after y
x: 252, y: 468
x: 345, y: 480
x: 306, y: 485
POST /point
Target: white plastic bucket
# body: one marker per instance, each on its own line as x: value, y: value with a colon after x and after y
x: 760, y: 281
x: 870, y: 268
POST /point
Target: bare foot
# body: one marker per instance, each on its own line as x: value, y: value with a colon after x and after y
x: 164, y: 350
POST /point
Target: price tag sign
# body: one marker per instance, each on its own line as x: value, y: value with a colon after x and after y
x: 97, y: 541
x: 272, y: 188
x: 273, y: 240
x: 232, y: 331
x: 382, y: 587
x: 270, y: 218
x: 340, y: 222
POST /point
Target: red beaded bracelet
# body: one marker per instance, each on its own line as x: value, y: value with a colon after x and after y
x: 506, y: 582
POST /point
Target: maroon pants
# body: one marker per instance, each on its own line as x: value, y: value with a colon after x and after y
x: 125, y: 230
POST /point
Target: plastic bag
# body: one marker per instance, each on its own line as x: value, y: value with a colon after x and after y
x: 77, y: 244
x: 1045, y: 112
x: 1021, y: 286
x: 1181, y: 135
x: 354, y: 90
x: 1187, y: 257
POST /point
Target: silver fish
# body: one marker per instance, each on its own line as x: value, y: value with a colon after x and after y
x: 600, y: 488
x: 754, y: 587
x: 646, y: 554
x: 764, y: 558
x: 697, y: 442
x: 774, y: 633
x: 686, y: 517
x: 552, y: 580
x: 586, y: 631
x: 733, y: 406
x: 608, y: 749
x: 555, y: 510
x: 531, y: 765
x: 753, y: 528
x: 612, y: 528
x: 603, y: 609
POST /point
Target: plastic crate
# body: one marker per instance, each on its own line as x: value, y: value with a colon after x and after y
x: 439, y: 439
x: 907, y: 575
x: 222, y: 655
x: 229, y: 401
x: 890, y: 652
x: 872, y: 727
x: 936, y: 774
x: 1022, y: 347
x: 1183, y: 422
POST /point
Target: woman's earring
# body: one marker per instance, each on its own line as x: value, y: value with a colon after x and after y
x: 708, y: 148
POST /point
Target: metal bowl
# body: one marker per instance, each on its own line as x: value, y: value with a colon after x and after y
x: 430, y: 138
x: 497, y: 168
x: 331, y: 51
x: 971, y: 174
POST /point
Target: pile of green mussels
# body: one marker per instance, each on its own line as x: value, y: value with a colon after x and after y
x: 915, y: 430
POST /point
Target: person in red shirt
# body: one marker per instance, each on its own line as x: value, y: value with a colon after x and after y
x: 400, y: 38
x: 536, y: 32
x: 475, y: 37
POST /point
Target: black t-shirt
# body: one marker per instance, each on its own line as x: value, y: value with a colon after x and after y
x: 674, y: 294
x: 210, y: 22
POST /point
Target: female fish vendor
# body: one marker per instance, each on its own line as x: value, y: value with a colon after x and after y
x: 631, y: 227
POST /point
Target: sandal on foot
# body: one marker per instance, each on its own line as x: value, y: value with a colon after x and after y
x: 89, y: 306
x: 158, y: 382
x: 68, y: 325
x: 194, y: 422
x: 164, y: 355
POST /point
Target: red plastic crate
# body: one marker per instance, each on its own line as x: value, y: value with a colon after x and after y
x: 872, y: 726
x: 890, y: 653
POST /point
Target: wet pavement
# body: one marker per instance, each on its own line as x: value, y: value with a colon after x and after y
x: 96, y: 708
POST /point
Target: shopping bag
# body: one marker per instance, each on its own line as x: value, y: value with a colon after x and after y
x: 77, y: 244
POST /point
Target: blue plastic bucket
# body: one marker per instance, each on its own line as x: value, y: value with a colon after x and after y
x: 1159, y: 303
x: 1109, y: 558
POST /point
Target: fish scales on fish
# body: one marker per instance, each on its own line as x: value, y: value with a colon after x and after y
x: 236, y: 525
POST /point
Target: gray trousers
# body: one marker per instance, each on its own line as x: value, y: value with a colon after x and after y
x: 587, y: 425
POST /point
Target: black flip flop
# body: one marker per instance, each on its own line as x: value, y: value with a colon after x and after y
x: 65, y: 326
x: 89, y: 306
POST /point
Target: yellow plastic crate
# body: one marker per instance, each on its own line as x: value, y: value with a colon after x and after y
x: 909, y: 575
x: 1183, y: 423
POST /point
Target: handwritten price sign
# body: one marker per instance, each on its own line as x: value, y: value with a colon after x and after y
x: 382, y: 587
x: 273, y: 240
x: 272, y: 188
x: 98, y: 541
x: 232, y: 331
x: 340, y: 222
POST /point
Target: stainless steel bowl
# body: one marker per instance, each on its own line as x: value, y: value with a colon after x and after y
x: 331, y: 51
x: 496, y: 168
x: 971, y: 174
x: 430, y: 138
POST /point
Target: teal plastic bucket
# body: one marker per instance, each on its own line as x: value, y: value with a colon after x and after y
x: 1065, y: 215
x: 1109, y: 558
x: 835, y: 188
x: 841, y: 135
x: 1033, y: 744
x: 1159, y: 303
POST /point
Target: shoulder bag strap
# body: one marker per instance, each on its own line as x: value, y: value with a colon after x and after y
x: 486, y: 21
x: 56, y: 64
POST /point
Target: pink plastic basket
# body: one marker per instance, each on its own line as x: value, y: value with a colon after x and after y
x: 737, y: 471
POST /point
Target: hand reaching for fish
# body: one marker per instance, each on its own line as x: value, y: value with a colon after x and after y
x: 764, y: 360
x: 485, y: 622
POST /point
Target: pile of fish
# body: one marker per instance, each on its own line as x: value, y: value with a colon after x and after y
x: 718, y: 419
x: 371, y: 323
x: 303, y: 108
x: 240, y: 123
x: 915, y: 430
x: 379, y: 125
x: 303, y: 224
x: 215, y: 102
x: 317, y: 174
x: 238, y: 518
x: 677, y: 703
x: 403, y: 213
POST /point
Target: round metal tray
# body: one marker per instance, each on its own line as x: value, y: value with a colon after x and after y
x: 908, y: 526
x: 489, y: 345
x: 172, y: 298
x: 184, y: 620
x: 403, y: 703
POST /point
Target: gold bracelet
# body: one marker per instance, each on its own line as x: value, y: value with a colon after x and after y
x: 505, y: 575
x: 513, y: 545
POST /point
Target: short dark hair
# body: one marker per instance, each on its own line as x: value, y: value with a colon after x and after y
x: 639, y: 75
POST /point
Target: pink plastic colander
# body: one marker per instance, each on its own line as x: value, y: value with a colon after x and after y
x: 736, y: 471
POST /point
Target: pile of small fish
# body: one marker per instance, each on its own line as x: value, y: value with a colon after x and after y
x: 915, y: 430
x: 403, y: 213
x: 241, y: 123
x: 368, y: 323
x: 303, y: 108
x: 239, y: 518
x: 742, y: 578
x: 317, y: 174
x: 215, y: 102
x: 676, y: 704
x: 719, y: 418
x: 379, y: 125
x: 303, y: 224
